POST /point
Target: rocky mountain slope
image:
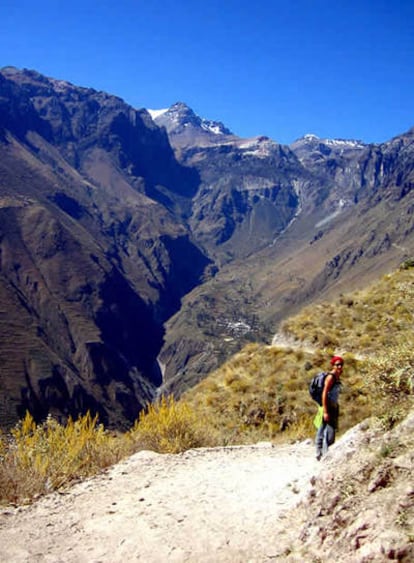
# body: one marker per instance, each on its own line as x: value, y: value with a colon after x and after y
x: 95, y: 254
x: 248, y: 187
x: 348, y: 218
x: 136, y: 249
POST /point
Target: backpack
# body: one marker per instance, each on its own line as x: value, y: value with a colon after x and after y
x: 316, y: 386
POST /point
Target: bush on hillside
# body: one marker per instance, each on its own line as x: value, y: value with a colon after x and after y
x: 391, y: 382
x: 38, y: 458
x: 167, y: 426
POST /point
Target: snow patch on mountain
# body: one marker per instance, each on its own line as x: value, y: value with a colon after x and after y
x: 257, y: 146
x: 212, y: 127
x: 154, y: 113
x: 339, y: 143
x: 344, y: 143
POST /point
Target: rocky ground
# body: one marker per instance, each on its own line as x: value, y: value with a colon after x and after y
x: 240, y: 504
x: 361, y: 506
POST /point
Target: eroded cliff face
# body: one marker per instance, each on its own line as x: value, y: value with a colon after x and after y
x: 247, y: 197
x: 288, y: 225
x: 87, y: 338
x: 95, y: 254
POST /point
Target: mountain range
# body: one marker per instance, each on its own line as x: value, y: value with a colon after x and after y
x: 140, y: 248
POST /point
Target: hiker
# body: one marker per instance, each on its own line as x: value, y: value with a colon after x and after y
x: 329, y: 409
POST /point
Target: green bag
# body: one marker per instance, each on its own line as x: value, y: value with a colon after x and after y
x: 317, y: 421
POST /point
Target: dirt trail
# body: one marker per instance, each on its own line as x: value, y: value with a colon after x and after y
x: 281, y: 340
x: 206, y: 505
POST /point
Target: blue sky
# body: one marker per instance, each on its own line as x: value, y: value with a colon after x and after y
x: 337, y: 68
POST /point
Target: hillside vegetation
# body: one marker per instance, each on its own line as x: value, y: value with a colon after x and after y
x: 261, y: 393
x: 366, y: 322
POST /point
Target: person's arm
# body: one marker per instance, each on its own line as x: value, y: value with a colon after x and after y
x: 329, y: 381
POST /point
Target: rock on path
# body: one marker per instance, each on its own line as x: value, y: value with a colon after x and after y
x: 205, y: 505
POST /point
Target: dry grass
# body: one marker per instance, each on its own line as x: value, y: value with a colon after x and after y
x: 365, y: 322
x: 170, y: 427
x: 391, y: 380
x: 261, y: 393
x: 36, y: 459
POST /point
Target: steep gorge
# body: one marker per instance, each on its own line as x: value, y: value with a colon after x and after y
x: 126, y: 242
x: 93, y: 262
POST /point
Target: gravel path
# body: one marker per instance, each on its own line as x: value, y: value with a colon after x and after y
x: 205, y: 505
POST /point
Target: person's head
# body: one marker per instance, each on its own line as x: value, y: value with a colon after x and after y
x: 337, y: 364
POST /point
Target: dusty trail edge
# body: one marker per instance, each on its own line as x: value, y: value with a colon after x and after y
x: 205, y: 505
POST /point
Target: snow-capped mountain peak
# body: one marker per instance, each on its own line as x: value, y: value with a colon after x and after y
x: 180, y: 117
